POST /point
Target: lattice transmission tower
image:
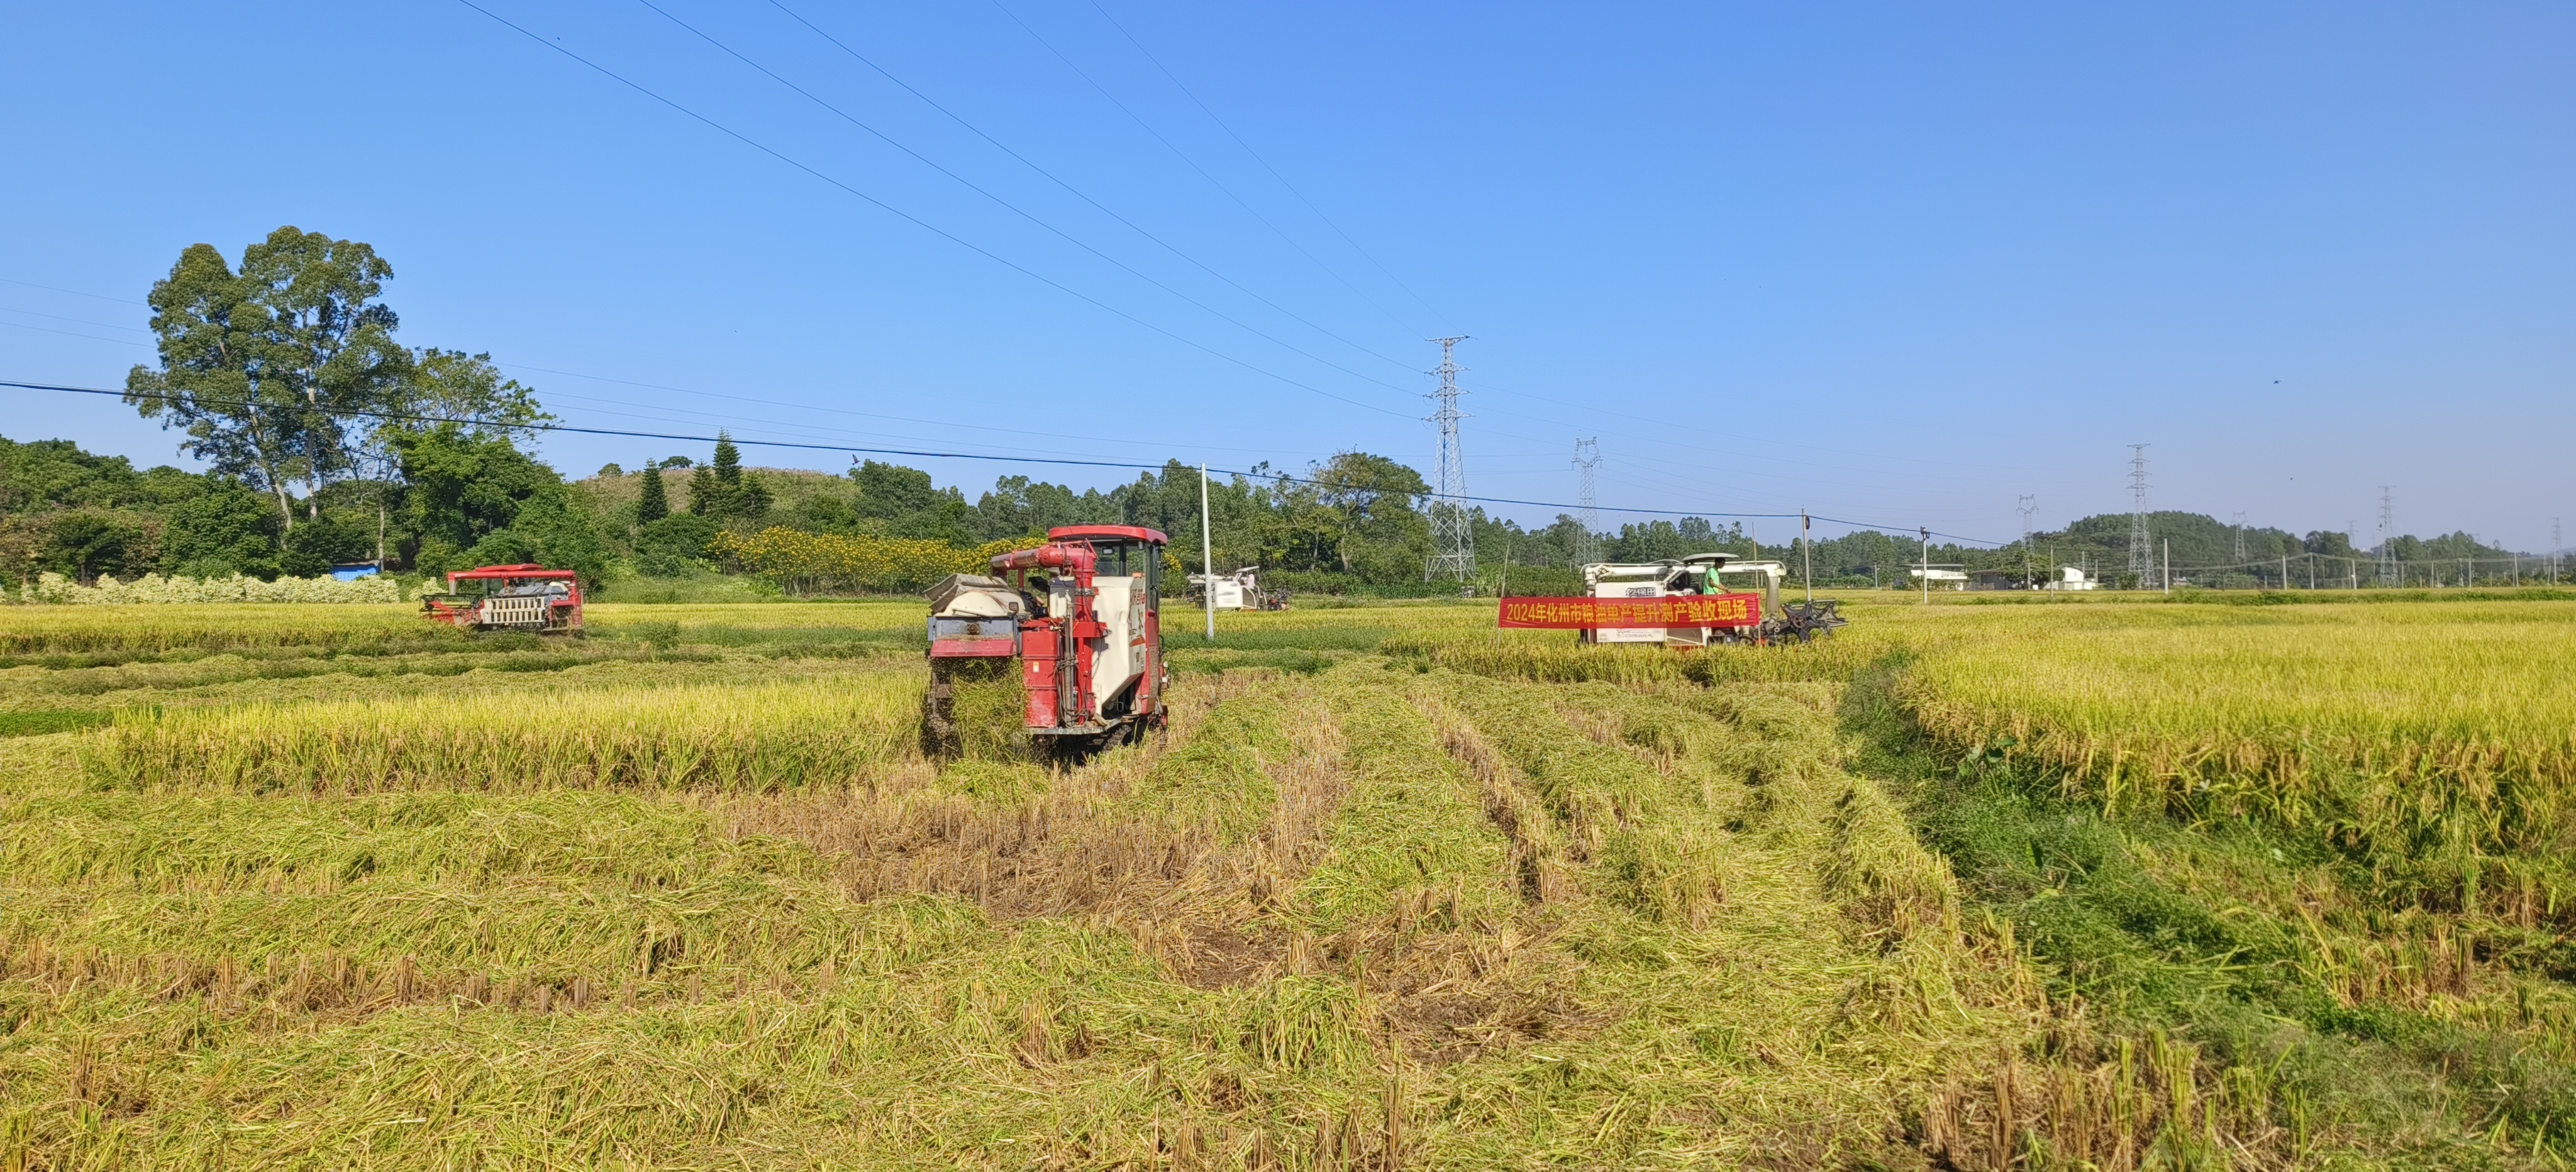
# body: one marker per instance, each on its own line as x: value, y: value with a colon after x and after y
x: 2387, y: 535
x: 2142, y: 551
x: 2028, y: 507
x: 1453, y: 534
x: 1587, y: 545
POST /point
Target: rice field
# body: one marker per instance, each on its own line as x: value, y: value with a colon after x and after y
x: 2106, y: 885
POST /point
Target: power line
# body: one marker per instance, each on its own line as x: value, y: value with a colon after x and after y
x: 1265, y: 163
x: 81, y: 321
x: 860, y: 414
x: 1247, y: 473
x: 1686, y: 466
x: 1013, y: 208
x: 1078, y: 193
x: 73, y: 292
x: 1183, y: 156
x: 72, y: 334
x: 914, y: 220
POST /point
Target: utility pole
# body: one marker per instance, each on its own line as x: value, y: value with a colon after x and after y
x: 1807, y: 549
x: 2142, y: 552
x: 2285, y: 571
x: 1207, y: 555
x: 2239, y: 522
x: 2557, y: 545
x: 2168, y: 574
x: 2387, y: 536
x: 1587, y: 458
x: 1927, y: 566
x: 2027, y: 506
x: 1453, y: 535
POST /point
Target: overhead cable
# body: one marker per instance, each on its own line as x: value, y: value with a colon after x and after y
x: 1016, y: 209
x: 1078, y: 193
x: 914, y: 220
x: 1248, y: 473
x: 1194, y: 164
x: 1221, y: 124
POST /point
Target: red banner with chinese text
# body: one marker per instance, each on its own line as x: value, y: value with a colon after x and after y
x: 1592, y: 614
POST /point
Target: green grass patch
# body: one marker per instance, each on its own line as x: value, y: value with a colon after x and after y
x: 40, y: 721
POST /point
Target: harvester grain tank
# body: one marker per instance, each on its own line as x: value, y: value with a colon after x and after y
x: 1077, y: 621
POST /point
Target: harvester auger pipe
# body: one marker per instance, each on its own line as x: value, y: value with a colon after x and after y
x: 1072, y: 675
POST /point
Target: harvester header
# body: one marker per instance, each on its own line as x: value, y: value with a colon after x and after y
x: 526, y: 597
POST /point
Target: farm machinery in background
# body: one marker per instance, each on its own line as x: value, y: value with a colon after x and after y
x: 528, y: 598
x: 1078, y: 622
x: 1716, y: 598
x: 1240, y: 590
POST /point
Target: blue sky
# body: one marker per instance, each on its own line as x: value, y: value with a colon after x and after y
x: 1897, y: 263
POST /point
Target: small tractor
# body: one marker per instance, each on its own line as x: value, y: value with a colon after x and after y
x: 1708, y: 573
x: 508, y: 598
x: 1077, y: 620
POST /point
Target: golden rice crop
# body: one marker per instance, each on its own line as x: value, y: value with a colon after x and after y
x: 28, y: 630
x: 616, y: 617
x: 745, y: 736
x: 2416, y: 729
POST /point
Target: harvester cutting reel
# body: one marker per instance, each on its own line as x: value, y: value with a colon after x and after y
x: 1805, y: 622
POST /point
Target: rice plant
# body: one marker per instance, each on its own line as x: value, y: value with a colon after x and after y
x: 2415, y: 730
x: 1394, y: 891
x: 213, y: 627
x: 751, y: 736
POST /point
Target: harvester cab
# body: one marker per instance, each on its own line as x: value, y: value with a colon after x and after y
x: 1077, y: 621
x: 508, y: 598
x: 1708, y: 573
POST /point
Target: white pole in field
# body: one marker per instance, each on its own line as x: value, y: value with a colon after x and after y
x: 1807, y: 543
x: 1927, y: 567
x: 2168, y: 565
x: 1207, y: 556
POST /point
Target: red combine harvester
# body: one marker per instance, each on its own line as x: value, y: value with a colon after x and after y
x: 1087, y: 638
x: 507, y: 598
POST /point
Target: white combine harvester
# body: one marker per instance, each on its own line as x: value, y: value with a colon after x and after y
x: 1240, y: 590
x: 1707, y: 573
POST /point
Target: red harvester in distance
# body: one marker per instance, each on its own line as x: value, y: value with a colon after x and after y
x: 1087, y: 638
x: 507, y: 598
